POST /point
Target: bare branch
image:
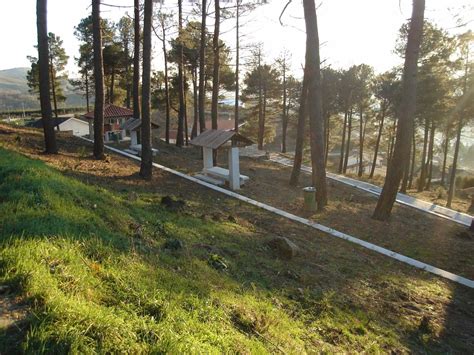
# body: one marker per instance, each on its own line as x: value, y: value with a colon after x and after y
x: 283, y: 11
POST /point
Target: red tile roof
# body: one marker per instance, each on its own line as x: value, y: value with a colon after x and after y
x: 112, y: 111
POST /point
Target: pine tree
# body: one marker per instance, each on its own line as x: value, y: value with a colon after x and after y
x: 146, y: 166
x: 43, y: 63
x: 406, y: 113
x: 99, y: 82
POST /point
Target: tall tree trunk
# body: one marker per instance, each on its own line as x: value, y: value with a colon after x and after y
x: 53, y: 86
x: 430, y: 156
x: 452, y: 176
x: 167, y: 90
x: 181, y: 113
x: 284, y: 118
x: 186, y: 132
x: 422, y: 179
x: 87, y: 91
x: 195, y: 104
x: 99, y: 82
x: 406, y: 115
x: 377, y: 142
x: 343, y: 143
x: 237, y: 54
x: 326, y: 134
x: 348, y: 146
x: 445, y: 156
x: 216, y: 65
x: 361, y: 144
x: 413, y: 160
x: 391, y: 142
x: 202, y: 69
x: 261, y: 119
x: 261, y: 128
x: 127, y: 75
x: 43, y: 64
x: 316, y: 120
x: 466, y: 97
x: 136, y: 60
x: 146, y: 166
x: 112, y: 86
x: 406, y: 173
x: 302, y: 113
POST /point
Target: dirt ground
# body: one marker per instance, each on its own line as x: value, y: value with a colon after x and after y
x: 368, y: 279
x: 411, y: 232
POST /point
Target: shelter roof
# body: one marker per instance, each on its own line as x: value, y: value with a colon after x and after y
x: 214, y: 139
x: 134, y: 124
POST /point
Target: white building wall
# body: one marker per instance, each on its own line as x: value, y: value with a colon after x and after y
x: 78, y: 127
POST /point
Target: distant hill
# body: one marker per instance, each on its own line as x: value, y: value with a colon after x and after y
x: 14, y: 92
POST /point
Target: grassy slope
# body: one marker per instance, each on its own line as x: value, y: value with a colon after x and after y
x: 94, y: 284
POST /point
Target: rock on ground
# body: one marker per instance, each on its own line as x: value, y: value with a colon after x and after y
x: 284, y: 248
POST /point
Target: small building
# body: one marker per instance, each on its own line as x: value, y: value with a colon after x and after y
x: 211, y: 140
x: 132, y: 127
x: 77, y: 126
x: 114, y: 118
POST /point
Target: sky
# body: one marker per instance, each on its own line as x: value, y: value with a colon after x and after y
x: 351, y: 32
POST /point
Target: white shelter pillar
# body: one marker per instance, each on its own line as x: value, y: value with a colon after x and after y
x: 133, y: 138
x: 207, y: 158
x: 234, y: 168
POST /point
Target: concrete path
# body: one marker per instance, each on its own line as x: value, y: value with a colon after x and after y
x: 428, y: 207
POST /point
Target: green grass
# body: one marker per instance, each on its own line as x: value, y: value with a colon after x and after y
x: 93, y: 284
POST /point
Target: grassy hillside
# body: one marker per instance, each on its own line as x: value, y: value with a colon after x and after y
x: 14, y: 92
x: 99, y: 269
x: 97, y: 283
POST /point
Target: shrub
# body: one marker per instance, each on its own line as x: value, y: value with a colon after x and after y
x: 441, y: 192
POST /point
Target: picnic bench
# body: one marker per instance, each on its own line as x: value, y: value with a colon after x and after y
x: 212, y: 140
x: 224, y: 174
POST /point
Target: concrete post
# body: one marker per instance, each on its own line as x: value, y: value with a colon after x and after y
x: 234, y: 168
x: 310, y: 204
x: 207, y: 158
x: 91, y: 130
x: 133, y: 138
